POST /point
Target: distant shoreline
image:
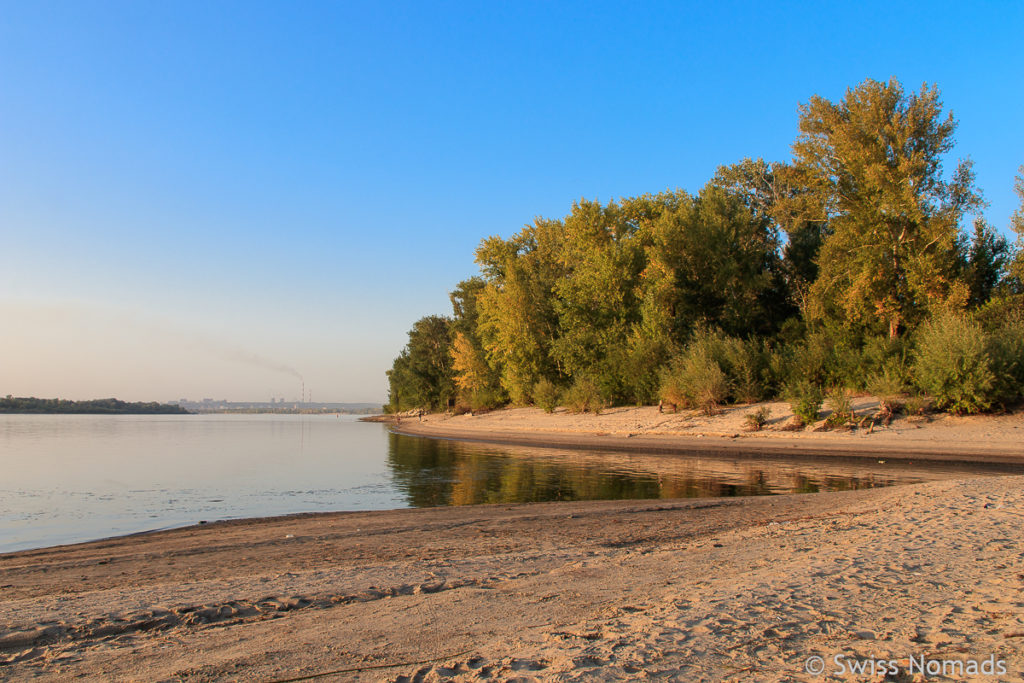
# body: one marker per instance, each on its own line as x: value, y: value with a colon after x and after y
x: 105, y: 406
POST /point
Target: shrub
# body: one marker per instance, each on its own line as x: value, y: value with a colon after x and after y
x: 746, y: 365
x: 583, y: 396
x: 839, y: 401
x: 880, y: 354
x: 672, y: 390
x: 545, y: 395
x: 707, y: 384
x: 805, y: 398
x: 695, y: 380
x: 1006, y: 348
x: 757, y: 419
x: 917, y: 405
x: 485, y: 398
x: 953, y: 364
x: 810, y: 360
x: 889, y: 386
x: 642, y: 369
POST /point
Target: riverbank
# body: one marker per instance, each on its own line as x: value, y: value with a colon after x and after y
x: 978, y: 438
x: 726, y: 589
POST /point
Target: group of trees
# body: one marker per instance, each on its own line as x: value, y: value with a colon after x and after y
x: 21, y: 404
x: 826, y: 270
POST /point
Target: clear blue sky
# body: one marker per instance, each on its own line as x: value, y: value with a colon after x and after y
x: 195, y: 196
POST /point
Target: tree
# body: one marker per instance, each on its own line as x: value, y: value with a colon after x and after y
x: 595, y: 297
x: 875, y: 161
x: 421, y: 376
x: 987, y: 258
x: 477, y: 382
x: 517, y: 322
x: 1016, y: 266
x: 712, y: 262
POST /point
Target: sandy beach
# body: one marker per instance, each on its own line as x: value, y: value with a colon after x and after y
x: 977, y: 438
x: 688, y: 590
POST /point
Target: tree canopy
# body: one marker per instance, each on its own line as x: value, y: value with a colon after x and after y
x: 815, y: 269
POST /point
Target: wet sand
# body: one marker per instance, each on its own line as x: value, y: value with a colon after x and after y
x: 723, y: 589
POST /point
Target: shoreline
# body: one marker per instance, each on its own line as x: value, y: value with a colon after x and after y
x: 981, y: 439
x: 700, y: 588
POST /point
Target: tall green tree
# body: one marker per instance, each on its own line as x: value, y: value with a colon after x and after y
x: 875, y: 161
x: 598, y: 293
x: 713, y: 262
x: 1016, y: 267
x: 476, y: 380
x: 988, y: 256
x: 422, y: 376
x: 517, y: 323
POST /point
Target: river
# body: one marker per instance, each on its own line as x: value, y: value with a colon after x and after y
x: 70, y: 478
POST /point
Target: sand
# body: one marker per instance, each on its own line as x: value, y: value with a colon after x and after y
x: 687, y: 590
x: 978, y: 438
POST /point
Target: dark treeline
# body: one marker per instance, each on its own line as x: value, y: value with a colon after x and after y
x: 857, y: 265
x: 12, y: 404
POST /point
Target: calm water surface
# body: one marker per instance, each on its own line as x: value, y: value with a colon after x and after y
x: 67, y: 478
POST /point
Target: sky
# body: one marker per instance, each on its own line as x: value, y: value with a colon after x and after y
x: 215, y: 199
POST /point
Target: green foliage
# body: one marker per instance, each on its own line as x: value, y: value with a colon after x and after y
x: 746, y: 363
x: 812, y: 273
x: 805, y: 398
x: 1006, y: 349
x: 583, y: 396
x: 888, y: 385
x: 641, y: 369
x: 841, y: 404
x: 757, y: 419
x: 917, y: 405
x: 546, y: 395
x: 876, y: 160
x: 708, y: 385
x: 422, y: 375
x: 842, y: 356
x: 987, y: 259
x: 517, y: 323
x: 954, y: 366
x: 695, y: 379
x: 485, y: 398
x: 14, y: 404
x: 714, y: 262
x: 1016, y: 265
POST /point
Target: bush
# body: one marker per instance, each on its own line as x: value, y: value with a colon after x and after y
x: 746, y: 365
x: 881, y: 354
x: 839, y: 402
x: 695, y: 380
x: 953, y: 364
x: 583, y: 396
x: 917, y: 405
x: 805, y: 398
x: 888, y: 386
x: 485, y: 399
x: 642, y: 366
x: 757, y: 419
x: 545, y: 395
x: 1006, y: 348
x: 673, y: 390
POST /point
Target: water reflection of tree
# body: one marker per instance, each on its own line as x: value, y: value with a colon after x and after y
x: 431, y: 472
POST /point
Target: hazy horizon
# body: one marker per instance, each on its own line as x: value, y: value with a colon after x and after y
x: 205, y: 200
